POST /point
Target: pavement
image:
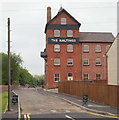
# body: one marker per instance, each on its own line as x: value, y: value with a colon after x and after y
x: 90, y: 106
x: 13, y: 113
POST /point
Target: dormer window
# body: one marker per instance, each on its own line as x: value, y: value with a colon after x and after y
x: 63, y: 21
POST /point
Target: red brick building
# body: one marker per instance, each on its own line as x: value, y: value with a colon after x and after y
x: 71, y: 54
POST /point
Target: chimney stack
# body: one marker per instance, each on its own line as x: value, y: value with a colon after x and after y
x: 48, y: 14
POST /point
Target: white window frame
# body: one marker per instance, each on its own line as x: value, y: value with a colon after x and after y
x: 56, y: 33
x: 69, y: 33
x: 63, y: 21
x: 70, y: 77
x: 86, y: 76
x: 69, y: 48
x: 98, y: 61
x: 97, y: 48
x: 56, y: 48
x: 86, y: 48
x: 98, y: 77
x: 86, y: 61
x: 57, y: 61
x: 69, y: 60
x: 56, y: 77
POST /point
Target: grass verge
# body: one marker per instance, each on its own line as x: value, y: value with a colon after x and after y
x: 3, y: 101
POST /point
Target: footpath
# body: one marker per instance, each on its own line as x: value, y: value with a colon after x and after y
x: 90, y: 106
x: 13, y: 113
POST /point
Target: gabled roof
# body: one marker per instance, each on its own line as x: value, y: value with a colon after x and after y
x: 96, y: 37
x: 60, y: 12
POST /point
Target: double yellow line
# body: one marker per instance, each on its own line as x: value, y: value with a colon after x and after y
x: 102, y: 115
x: 27, y: 117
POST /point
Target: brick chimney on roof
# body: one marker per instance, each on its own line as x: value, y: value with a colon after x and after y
x: 48, y: 14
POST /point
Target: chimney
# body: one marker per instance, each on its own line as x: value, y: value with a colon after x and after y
x: 48, y: 14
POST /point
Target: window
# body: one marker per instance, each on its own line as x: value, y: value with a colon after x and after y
x: 69, y: 33
x: 56, y: 48
x: 98, y: 62
x: 107, y: 47
x: 69, y: 48
x: 98, y: 76
x: 56, y: 33
x: 57, y: 61
x: 70, y: 76
x: 85, y: 48
x: 86, y: 76
x: 69, y: 62
x: 56, y: 77
x: 98, y: 48
x: 86, y: 61
x: 63, y: 21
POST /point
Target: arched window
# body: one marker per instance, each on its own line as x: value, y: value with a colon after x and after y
x: 56, y: 48
x: 69, y: 48
x: 56, y: 33
x: 69, y: 33
x: 98, y: 48
x: 63, y: 21
x: 86, y: 61
x: 98, y: 61
x: 85, y: 48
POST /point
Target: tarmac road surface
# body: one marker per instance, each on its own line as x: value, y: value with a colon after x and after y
x: 40, y: 104
x: 34, y: 102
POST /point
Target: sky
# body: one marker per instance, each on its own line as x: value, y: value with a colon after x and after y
x: 28, y: 20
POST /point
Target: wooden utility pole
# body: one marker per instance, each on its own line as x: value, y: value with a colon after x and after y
x: 9, y: 72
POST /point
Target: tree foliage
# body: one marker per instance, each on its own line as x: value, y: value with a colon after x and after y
x: 19, y: 75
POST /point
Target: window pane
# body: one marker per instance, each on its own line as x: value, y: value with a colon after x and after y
x: 56, y: 33
x: 86, y: 61
x: 63, y: 21
x: 69, y: 48
x: 69, y: 61
x: 69, y: 33
x: 98, y: 48
x: 56, y: 77
x: 56, y: 61
x: 98, y: 62
x: 98, y: 76
x: 86, y: 48
x: 56, y: 48
x: 86, y: 76
x: 69, y: 74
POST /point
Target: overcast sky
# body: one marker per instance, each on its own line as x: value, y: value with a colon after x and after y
x: 28, y: 20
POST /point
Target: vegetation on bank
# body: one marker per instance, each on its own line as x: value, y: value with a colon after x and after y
x: 3, y: 101
x: 19, y: 75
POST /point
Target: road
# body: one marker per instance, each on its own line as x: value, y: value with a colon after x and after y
x: 37, y: 103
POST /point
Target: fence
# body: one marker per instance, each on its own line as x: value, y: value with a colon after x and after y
x: 97, y: 92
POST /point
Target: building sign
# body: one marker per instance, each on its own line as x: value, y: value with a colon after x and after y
x: 63, y: 40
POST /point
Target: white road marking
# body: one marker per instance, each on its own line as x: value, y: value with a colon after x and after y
x: 67, y: 116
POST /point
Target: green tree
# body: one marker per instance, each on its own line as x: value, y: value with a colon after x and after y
x: 15, y: 65
x: 39, y: 79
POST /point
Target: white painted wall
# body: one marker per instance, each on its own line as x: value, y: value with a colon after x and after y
x: 112, y: 63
